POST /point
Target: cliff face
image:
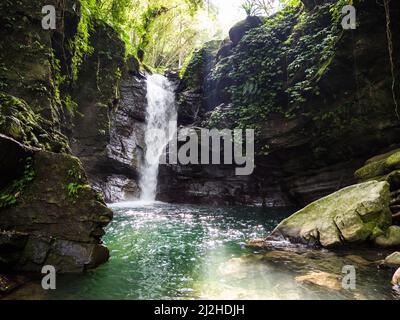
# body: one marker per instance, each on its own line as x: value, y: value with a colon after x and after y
x: 319, y: 98
x: 70, y: 130
x: 107, y: 128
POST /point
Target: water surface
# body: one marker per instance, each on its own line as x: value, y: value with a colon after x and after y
x: 163, y: 251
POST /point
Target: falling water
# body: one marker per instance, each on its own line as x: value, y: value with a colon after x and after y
x: 160, y: 113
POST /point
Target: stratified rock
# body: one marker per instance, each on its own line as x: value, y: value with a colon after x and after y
x: 108, y: 130
x: 352, y: 215
x: 237, y: 32
x: 57, y: 218
x: 391, y: 238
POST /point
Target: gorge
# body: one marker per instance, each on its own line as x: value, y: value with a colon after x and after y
x: 82, y: 189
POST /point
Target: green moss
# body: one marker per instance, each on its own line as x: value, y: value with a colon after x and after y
x: 75, y: 182
x: 381, y: 168
x: 100, y: 197
x: 19, y: 121
x: 393, y: 161
x: 199, y: 64
x: 70, y: 105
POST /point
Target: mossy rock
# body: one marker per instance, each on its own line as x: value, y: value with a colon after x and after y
x: 63, y: 228
x: 354, y: 214
x: 379, y: 166
x: 390, y: 239
x: 20, y: 122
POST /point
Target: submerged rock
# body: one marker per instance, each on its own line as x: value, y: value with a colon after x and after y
x: 237, y: 32
x: 352, y: 215
x: 323, y: 279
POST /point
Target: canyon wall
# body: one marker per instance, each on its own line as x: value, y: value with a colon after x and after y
x: 71, y: 119
x: 319, y: 97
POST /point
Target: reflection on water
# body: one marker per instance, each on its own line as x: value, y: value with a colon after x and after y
x: 162, y: 251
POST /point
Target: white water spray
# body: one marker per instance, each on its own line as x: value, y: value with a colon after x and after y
x: 161, y: 111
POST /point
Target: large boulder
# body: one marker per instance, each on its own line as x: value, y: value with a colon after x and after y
x: 49, y: 214
x: 237, y: 32
x: 352, y: 215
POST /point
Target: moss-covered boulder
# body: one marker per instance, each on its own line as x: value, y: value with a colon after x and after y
x: 380, y: 167
x: 352, y: 215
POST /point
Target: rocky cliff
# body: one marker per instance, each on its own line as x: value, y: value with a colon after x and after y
x: 71, y: 113
x: 320, y: 99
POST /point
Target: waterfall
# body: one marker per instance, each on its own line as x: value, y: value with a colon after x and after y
x: 161, y: 111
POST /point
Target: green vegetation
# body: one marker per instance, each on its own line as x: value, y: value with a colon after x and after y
x: 276, y: 68
x: 10, y: 194
x: 80, y: 45
x: 162, y: 33
x: 266, y: 7
x: 259, y: 72
x: 199, y: 63
x: 18, y: 121
x: 75, y: 186
x: 73, y: 190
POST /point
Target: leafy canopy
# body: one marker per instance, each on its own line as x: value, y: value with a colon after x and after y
x: 167, y: 31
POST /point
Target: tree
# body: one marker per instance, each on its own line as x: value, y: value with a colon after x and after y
x: 258, y: 7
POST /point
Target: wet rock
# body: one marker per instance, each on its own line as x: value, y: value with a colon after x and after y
x: 391, y: 238
x: 322, y: 279
x: 117, y: 174
x: 47, y: 216
x: 107, y: 133
x: 351, y: 215
x: 72, y: 257
x: 392, y: 260
x: 379, y: 166
x: 256, y: 243
x: 358, y: 259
